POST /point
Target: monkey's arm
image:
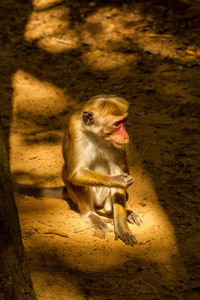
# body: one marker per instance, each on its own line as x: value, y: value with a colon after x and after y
x: 85, y: 177
x: 127, y: 157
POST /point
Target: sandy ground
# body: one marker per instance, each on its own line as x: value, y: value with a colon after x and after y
x: 57, y: 54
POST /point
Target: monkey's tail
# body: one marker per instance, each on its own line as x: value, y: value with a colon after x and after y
x: 30, y: 190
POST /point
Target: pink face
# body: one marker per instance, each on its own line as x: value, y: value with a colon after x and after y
x: 120, y: 135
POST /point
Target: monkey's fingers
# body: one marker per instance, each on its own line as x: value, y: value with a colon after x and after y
x: 133, y: 217
x: 128, y: 178
x: 126, y: 175
x: 101, y: 226
x: 130, y: 181
x: 106, y: 220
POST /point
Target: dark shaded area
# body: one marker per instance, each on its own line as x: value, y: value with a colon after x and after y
x: 34, y: 191
x: 129, y: 279
x: 15, y: 281
x: 176, y: 181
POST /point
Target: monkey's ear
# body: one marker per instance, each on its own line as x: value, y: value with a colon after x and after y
x: 88, y: 118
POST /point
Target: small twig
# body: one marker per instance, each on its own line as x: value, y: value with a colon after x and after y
x: 55, y: 232
x: 151, y: 286
x: 5, y: 93
x: 143, y: 243
x: 77, y: 231
x: 61, y: 41
x: 36, y: 230
x: 160, y: 35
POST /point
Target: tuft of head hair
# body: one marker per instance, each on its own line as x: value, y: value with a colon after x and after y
x: 107, y: 105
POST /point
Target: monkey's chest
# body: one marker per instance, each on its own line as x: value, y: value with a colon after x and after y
x: 101, y: 166
x: 107, y: 166
x: 102, y: 196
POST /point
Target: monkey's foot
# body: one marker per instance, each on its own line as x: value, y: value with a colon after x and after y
x: 126, y: 236
x: 98, y: 222
x: 99, y: 233
x: 133, y: 217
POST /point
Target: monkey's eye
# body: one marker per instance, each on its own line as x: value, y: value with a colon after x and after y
x: 119, y: 122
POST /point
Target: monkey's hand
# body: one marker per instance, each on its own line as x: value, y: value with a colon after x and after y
x: 123, y: 180
x: 125, y: 235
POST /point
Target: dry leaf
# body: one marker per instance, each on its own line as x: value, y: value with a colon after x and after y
x: 190, y: 52
x: 142, y: 204
x: 160, y: 35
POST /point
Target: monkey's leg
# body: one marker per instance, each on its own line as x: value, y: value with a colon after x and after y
x: 95, y: 219
x: 83, y: 198
x: 122, y: 230
x: 132, y: 216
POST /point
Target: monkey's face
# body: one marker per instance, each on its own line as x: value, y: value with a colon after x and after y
x: 118, y: 136
x: 109, y: 128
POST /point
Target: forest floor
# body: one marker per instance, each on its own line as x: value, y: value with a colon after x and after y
x: 57, y: 54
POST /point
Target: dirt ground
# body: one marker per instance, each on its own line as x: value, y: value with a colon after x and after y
x: 57, y: 54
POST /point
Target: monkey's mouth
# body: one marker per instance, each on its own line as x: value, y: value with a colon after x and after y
x: 120, y: 145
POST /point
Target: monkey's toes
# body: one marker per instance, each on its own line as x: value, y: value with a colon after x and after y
x: 133, y: 217
x: 102, y: 226
x: 128, y: 238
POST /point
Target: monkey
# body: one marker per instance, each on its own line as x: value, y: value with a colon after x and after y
x: 96, y: 171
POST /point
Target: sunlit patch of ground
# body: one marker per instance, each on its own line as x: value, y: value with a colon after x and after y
x: 59, y: 263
